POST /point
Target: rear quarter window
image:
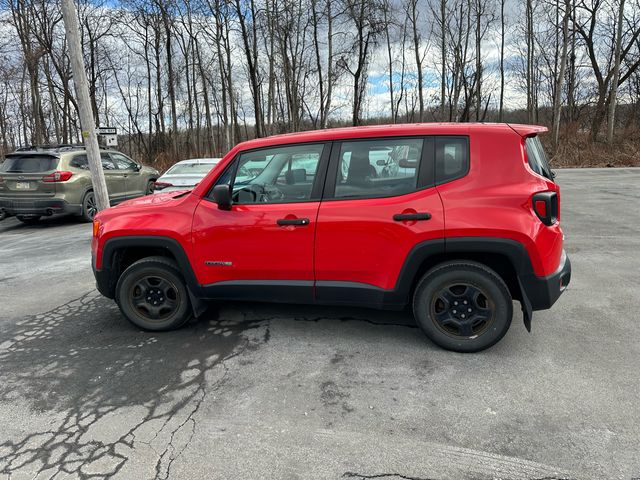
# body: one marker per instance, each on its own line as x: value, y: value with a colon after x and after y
x: 29, y: 164
x: 452, y: 158
x: 537, y: 158
x: 80, y: 162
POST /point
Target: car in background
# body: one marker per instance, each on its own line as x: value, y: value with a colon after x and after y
x: 185, y: 175
x: 43, y: 181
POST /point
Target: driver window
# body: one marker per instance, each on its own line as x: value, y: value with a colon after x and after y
x: 274, y: 175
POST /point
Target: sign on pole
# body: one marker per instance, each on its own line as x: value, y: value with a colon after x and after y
x: 108, y: 136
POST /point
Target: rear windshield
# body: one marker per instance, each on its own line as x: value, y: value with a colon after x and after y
x: 191, y: 168
x: 537, y: 158
x: 29, y: 164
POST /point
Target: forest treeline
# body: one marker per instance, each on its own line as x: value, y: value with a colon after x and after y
x: 185, y: 78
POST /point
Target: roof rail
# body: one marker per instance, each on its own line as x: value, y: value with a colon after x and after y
x: 59, y: 148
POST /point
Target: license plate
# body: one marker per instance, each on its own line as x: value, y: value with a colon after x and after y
x: 23, y: 185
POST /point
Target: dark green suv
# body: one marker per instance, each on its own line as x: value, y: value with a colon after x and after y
x: 39, y: 181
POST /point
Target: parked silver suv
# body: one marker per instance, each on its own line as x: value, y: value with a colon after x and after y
x: 39, y: 181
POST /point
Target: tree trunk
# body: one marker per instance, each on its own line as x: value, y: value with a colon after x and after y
x: 557, y: 97
x: 616, y: 75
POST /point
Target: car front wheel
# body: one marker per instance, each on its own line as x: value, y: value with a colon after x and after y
x: 463, y: 306
x: 152, y: 294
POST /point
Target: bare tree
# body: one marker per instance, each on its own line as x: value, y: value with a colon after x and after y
x: 616, y: 73
x: 557, y: 97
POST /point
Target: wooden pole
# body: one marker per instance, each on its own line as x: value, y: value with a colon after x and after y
x: 87, y: 123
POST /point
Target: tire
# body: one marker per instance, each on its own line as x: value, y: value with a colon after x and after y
x: 28, y: 220
x: 150, y: 187
x: 479, y: 297
x: 89, y: 206
x: 152, y: 294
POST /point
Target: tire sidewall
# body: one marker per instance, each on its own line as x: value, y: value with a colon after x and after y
x: 144, y: 268
x: 481, y: 278
x: 85, y: 213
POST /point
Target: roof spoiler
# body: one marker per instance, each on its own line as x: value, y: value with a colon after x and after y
x: 527, y: 130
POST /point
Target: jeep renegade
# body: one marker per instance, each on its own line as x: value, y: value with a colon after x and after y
x: 454, y: 220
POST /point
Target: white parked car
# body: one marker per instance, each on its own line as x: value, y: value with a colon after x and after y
x: 185, y: 175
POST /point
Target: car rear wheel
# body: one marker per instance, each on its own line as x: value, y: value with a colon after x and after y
x: 89, y: 207
x: 152, y: 294
x: 463, y: 306
x: 28, y: 219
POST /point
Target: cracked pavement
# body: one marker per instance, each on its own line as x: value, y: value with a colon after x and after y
x: 295, y: 392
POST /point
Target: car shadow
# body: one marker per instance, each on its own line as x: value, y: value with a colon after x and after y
x: 12, y: 223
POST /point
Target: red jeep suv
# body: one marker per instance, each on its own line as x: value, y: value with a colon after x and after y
x: 456, y: 220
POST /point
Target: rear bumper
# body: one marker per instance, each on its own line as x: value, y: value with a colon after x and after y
x: 543, y: 292
x: 33, y: 206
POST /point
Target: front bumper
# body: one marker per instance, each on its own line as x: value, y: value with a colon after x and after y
x: 34, y: 206
x: 542, y: 292
x: 104, y: 279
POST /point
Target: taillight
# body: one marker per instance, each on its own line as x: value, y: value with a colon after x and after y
x: 545, y: 205
x: 162, y: 185
x: 57, y: 177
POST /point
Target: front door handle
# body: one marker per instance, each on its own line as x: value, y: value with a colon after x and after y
x: 292, y: 221
x: 403, y: 217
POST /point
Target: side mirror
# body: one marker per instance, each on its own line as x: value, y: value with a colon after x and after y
x: 137, y: 167
x: 222, y: 196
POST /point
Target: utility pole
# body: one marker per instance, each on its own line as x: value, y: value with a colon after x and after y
x: 87, y: 123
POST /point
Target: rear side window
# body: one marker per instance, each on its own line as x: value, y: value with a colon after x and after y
x: 29, y: 164
x: 537, y: 158
x: 378, y: 168
x: 452, y: 158
x: 80, y: 162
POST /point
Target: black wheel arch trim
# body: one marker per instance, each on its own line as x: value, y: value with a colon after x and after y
x: 536, y: 293
x: 107, y: 276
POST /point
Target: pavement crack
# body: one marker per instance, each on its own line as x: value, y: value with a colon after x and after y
x: 103, y: 414
x: 362, y: 476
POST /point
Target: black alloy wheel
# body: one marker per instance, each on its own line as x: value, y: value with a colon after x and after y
x: 463, y: 306
x: 152, y: 294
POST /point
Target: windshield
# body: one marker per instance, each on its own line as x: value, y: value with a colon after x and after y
x: 537, y: 158
x: 191, y: 168
x: 29, y: 164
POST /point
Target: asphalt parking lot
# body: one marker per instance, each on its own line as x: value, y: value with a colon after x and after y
x: 288, y: 392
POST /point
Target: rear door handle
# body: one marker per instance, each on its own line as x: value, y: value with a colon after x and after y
x: 403, y: 217
x: 292, y: 221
